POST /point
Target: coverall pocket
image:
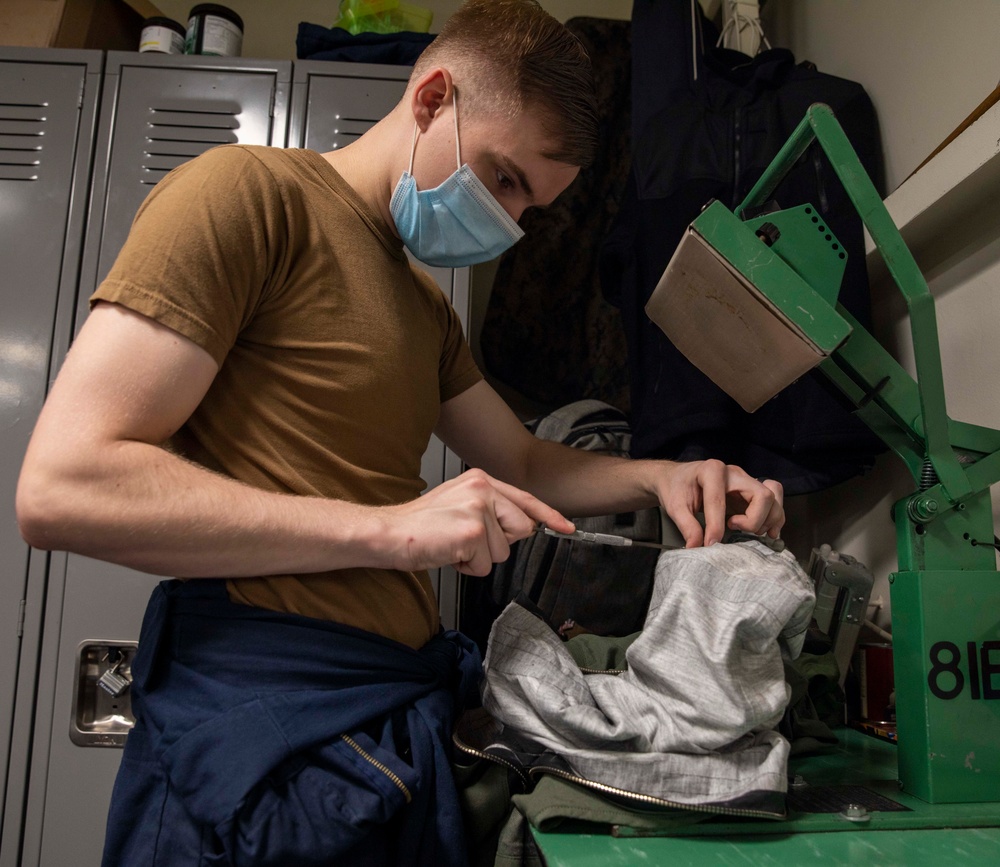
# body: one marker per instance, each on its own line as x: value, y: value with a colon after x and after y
x: 332, y: 802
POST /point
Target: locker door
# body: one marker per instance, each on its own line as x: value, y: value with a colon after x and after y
x: 156, y: 113
x: 160, y: 111
x: 333, y: 104
x: 48, y: 102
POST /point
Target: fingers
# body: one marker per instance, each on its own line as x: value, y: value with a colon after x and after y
x: 482, y: 556
x: 690, y: 488
x: 776, y: 515
x: 754, y: 506
x: 515, y: 515
x: 713, y: 478
x: 486, y: 525
x: 470, y: 523
x: 764, y: 512
x: 516, y: 504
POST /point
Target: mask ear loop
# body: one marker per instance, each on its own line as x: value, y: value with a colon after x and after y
x: 458, y: 146
x: 413, y: 149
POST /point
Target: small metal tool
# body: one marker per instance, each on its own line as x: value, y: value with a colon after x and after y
x: 605, y: 539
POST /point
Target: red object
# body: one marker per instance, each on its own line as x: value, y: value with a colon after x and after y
x: 876, y: 680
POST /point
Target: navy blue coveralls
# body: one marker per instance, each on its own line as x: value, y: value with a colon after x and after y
x: 273, y: 739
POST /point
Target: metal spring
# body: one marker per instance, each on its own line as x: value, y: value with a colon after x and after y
x: 928, y: 475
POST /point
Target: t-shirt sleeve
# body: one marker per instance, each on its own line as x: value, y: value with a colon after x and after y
x: 202, y: 249
x: 459, y: 370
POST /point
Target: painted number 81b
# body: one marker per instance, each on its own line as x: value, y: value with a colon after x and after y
x: 946, y: 678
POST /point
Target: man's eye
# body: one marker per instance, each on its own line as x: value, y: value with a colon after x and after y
x: 505, y: 182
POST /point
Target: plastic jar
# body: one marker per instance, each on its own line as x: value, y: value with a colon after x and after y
x: 214, y: 29
x: 162, y: 36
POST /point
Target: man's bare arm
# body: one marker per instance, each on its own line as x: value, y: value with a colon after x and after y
x: 96, y: 480
x: 481, y: 428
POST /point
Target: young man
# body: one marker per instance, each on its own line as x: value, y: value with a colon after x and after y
x: 249, y: 401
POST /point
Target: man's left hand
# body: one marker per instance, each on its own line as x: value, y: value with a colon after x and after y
x: 727, y: 496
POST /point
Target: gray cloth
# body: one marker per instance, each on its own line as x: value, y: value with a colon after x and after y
x: 692, y: 720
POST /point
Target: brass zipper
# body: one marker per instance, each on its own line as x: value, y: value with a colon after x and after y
x: 612, y: 790
x: 491, y: 758
x: 354, y: 745
x: 651, y: 799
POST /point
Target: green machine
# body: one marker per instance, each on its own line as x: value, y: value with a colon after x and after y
x: 751, y: 299
x: 753, y: 303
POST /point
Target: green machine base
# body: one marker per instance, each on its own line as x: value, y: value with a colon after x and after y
x: 946, y: 655
x: 891, y: 829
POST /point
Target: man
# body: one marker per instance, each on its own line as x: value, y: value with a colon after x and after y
x: 248, y: 402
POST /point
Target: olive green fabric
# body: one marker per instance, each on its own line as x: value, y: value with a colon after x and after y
x: 600, y: 652
x: 558, y: 804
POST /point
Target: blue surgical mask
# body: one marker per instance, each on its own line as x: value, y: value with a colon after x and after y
x: 455, y: 224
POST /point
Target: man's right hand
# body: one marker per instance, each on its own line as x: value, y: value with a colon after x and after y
x: 468, y: 522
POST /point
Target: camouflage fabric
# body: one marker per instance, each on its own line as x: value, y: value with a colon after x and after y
x: 548, y: 332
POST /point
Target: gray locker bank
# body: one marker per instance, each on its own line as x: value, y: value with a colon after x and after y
x: 84, y: 136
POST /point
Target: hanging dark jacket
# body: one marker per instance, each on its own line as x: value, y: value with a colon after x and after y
x: 706, y: 123
x: 547, y: 330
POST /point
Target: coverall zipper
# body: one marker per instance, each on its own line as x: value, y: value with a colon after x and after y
x: 354, y: 745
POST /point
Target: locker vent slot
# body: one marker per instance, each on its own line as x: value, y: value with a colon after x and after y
x: 350, y: 129
x: 22, y: 128
x: 175, y: 135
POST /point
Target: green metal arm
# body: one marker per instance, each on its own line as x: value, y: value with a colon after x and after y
x: 925, y: 419
x: 945, y: 594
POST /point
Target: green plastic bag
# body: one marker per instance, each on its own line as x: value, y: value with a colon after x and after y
x: 383, y: 16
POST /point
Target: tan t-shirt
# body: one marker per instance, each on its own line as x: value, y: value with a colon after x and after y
x: 335, y: 354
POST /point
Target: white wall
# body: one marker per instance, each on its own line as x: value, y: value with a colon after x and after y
x: 925, y: 63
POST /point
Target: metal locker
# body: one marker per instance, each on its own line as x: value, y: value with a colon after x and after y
x: 156, y: 112
x: 48, y: 108
x: 333, y: 104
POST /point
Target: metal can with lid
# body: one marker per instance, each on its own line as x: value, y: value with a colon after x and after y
x: 162, y: 36
x: 214, y: 29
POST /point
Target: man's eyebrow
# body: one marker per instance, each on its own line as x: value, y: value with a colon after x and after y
x: 518, y: 172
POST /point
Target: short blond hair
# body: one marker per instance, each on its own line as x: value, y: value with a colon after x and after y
x: 511, y: 56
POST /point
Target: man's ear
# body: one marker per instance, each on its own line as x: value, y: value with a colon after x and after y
x: 431, y: 91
